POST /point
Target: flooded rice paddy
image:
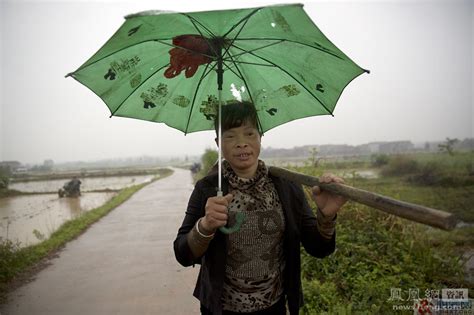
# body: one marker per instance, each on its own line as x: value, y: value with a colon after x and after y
x: 88, y: 184
x: 29, y: 219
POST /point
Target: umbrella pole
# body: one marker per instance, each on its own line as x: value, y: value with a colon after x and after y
x: 219, y: 136
x: 240, y: 216
x: 220, y: 75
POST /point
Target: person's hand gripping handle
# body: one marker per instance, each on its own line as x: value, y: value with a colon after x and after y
x: 217, y: 215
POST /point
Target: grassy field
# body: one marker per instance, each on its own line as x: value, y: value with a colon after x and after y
x: 378, y: 253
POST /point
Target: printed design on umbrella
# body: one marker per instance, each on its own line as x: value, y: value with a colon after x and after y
x: 181, y: 101
x: 264, y: 98
x: 281, y: 21
x: 132, y: 31
x: 136, y: 80
x: 191, y: 52
x: 209, y: 107
x: 301, y: 77
x: 122, y: 66
x: 154, y: 96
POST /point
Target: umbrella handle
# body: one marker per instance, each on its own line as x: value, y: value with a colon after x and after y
x: 239, y: 218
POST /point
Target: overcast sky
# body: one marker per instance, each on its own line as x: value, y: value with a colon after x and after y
x: 420, y: 86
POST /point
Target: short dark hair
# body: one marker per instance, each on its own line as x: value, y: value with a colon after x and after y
x: 236, y: 114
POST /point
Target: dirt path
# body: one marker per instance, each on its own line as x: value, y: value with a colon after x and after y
x: 124, y: 264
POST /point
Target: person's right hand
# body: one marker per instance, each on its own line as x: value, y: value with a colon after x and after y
x: 216, y: 213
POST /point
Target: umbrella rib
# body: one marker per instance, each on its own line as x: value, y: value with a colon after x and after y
x: 186, y: 49
x: 204, y: 74
x: 243, y: 19
x: 128, y: 96
x: 230, y: 68
x: 296, y: 42
x: 258, y: 48
x: 289, y: 74
x: 236, y: 35
x: 193, y: 20
x: 252, y: 63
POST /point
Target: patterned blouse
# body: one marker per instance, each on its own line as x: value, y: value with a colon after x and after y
x: 255, y: 261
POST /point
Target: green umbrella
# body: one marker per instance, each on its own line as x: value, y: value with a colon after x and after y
x: 178, y: 68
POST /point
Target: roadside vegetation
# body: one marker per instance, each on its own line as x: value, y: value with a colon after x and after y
x: 378, y: 254
x: 208, y: 160
x: 17, y: 263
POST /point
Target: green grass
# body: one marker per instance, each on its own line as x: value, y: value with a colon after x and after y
x: 439, y: 181
x: 377, y: 252
x: 15, y: 260
x: 457, y: 200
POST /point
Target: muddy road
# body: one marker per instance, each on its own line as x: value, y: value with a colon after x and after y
x: 124, y: 264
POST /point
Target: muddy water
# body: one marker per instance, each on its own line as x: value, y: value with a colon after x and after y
x: 88, y: 184
x: 20, y: 216
x: 29, y: 219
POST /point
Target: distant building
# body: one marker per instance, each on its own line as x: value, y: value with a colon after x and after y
x: 374, y: 147
x: 344, y: 150
x: 10, y: 166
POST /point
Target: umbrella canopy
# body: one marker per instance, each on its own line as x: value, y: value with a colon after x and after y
x: 164, y: 67
x: 274, y: 57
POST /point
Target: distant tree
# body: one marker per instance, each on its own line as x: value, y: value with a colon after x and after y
x: 48, y: 165
x: 379, y: 160
x: 4, y: 178
x: 313, y: 157
x: 208, y: 159
x: 448, y: 146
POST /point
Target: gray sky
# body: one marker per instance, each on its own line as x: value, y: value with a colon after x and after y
x: 420, y: 85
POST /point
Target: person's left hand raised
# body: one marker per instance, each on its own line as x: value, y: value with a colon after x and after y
x: 327, y: 202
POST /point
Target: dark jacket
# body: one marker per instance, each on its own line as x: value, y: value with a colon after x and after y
x: 300, y: 228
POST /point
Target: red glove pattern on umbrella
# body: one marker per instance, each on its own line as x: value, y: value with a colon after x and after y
x: 189, y: 58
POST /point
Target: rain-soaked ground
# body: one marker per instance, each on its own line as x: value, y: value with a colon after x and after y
x: 123, y: 264
x: 31, y: 218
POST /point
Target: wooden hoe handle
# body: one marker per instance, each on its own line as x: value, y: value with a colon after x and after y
x: 429, y: 216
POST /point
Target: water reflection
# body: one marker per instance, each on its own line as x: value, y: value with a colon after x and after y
x: 20, y: 216
x: 88, y: 184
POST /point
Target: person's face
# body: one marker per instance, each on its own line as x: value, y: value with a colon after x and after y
x: 241, y: 148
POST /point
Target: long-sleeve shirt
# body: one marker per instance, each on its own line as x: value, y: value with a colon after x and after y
x: 301, y: 228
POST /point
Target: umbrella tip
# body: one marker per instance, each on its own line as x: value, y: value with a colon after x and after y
x: 69, y: 74
x: 368, y: 71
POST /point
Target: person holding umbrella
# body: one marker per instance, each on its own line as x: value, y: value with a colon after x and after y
x: 189, y: 70
x: 257, y: 269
